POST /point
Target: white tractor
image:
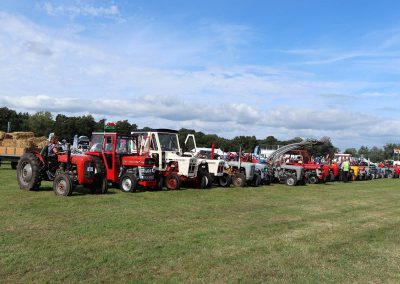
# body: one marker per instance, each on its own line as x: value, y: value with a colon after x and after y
x: 174, y: 168
x: 215, y: 167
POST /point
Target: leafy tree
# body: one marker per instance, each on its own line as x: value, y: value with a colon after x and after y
x: 351, y: 151
x: 376, y: 154
x: 363, y: 152
x: 324, y: 149
x: 18, y: 121
x: 99, y: 126
x: 124, y: 126
x: 388, y: 150
x: 41, y: 123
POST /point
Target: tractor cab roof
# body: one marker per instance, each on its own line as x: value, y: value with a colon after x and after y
x: 162, y: 130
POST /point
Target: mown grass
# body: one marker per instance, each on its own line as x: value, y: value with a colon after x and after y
x: 321, y: 233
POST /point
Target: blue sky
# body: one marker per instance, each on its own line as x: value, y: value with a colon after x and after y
x: 282, y: 68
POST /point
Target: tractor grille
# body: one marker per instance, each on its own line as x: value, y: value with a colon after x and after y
x: 146, y: 173
x: 192, y: 167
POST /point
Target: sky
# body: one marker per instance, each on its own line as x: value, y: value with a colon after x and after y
x: 307, y: 68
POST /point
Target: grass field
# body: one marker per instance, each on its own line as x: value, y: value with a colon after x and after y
x: 317, y: 233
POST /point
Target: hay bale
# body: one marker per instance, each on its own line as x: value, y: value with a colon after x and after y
x: 39, y: 142
x: 24, y: 143
x: 9, y: 142
x: 22, y: 135
x: 2, y: 135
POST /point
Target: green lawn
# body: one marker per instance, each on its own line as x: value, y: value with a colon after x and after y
x: 317, y: 233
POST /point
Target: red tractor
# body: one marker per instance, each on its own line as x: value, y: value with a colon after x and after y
x: 111, y: 162
x: 331, y: 172
x: 314, y: 172
x: 119, y: 157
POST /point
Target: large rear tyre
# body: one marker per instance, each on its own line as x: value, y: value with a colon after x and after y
x: 225, y: 180
x: 128, y: 183
x: 62, y: 185
x: 239, y: 180
x: 173, y: 182
x: 28, y: 172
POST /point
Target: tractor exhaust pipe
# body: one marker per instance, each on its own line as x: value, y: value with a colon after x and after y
x: 212, y: 149
x: 68, y: 156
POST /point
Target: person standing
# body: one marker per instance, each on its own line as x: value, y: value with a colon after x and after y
x: 345, y: 170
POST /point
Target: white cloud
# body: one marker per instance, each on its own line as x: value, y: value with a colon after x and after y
x: 49, y: 69
x: 80, y: 9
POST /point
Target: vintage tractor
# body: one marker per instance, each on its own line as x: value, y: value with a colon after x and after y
x: 118, y: 156
x: 289, y: 174
x: 215, y: 166
x: 109, y: 161
x: 242, y: 173
x: 331, y: 172
x: 174, y: 167
x: 66, y: 173
x: 314, y: 172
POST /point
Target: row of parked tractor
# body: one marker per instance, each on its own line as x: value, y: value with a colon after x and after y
x: 154, y: 159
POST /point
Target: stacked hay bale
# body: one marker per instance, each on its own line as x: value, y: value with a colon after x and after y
x: 21, y: 140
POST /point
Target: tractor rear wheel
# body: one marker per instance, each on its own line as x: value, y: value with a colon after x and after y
x: 62, y: 185
x: 225, y: 180
x: 291, y: 180
x: 239, y: 180
x: 173, y: 182
x: 128, y: 183
x: 28, y: 172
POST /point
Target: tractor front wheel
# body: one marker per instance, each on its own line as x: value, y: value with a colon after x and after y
x: 205, y: 180
x: 225, y: 180
x: 62, y: 185
x: 291, y: 180
x: 312, y: 179
x: 128, y: 183
x: 173, y: 182
x: 239, y: 180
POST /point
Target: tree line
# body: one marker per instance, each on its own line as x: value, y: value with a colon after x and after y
x: 374, y: 153
x: 65, y: 127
